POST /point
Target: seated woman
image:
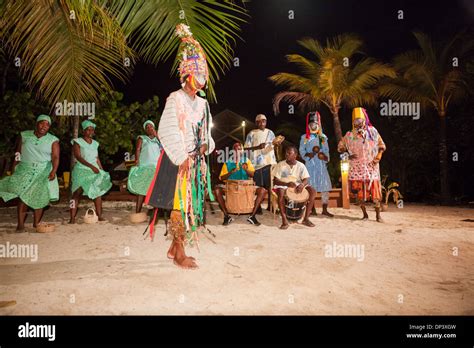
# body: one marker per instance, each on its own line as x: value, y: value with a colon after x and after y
x: 239, y: 169
x: 292, y: 173
x: 88, y: 176
x: 147, y: 153
x: 33, y: 178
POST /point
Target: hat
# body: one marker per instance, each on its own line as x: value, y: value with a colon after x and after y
x: 312, y: 116
x: 86, y: 123
x: 191, y: 57
x: 260, y: 117
x: 43, y: 117
x: 148, y: 122
x: 361, y: 113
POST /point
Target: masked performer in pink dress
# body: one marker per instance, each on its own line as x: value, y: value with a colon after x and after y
x: 182, y: 174
x: 364, y: 146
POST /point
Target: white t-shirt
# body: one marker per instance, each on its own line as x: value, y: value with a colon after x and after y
x: 286, y: 173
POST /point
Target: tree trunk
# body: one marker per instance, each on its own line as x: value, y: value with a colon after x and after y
x: 75, y: 134
x: 443, y: 160
x: 337, y: 126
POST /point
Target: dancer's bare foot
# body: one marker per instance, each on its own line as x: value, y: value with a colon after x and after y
x: 365, y: 217
x: 101, y: 219
x: 308, y: 223
x: 186, y: 263
x: 20, y: 229
x: 284, y: 226
x: 172, y: 252
x: 72, y: 221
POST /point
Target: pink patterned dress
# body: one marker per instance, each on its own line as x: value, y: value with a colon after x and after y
x: 364, y: 176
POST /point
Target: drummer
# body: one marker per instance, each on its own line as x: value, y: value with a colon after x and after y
x: 292, y: 173
x: 238, y: 168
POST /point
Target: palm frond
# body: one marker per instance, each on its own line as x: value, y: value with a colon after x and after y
x: 302, y: 100
x: 68, y: 49
x: 150, y: 27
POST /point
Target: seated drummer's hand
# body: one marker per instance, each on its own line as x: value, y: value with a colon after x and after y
x: 299, y: 188
x: 291, y: 184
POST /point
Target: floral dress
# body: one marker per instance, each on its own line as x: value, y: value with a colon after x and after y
x: 30, y: 180
x: 141, y: 176
x: 319, y: 176
x: 94, y: 185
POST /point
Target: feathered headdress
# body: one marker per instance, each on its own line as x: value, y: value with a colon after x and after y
x: 192, y: 60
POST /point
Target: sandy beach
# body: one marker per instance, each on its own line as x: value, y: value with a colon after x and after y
x: 419, y: 262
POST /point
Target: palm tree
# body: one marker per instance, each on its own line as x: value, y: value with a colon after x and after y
x: 70, y: 49
x: 333, y: 78
x: 431, y: 77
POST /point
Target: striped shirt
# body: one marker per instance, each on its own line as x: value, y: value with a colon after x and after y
x: 179, y: 126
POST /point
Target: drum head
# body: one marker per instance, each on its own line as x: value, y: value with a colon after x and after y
x: 291, y: 195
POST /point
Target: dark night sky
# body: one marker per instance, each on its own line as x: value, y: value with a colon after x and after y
x: 270, y: 35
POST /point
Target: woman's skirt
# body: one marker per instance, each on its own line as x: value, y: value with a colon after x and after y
x: 31, y: 184
x: 364, y: 190
x: 139, y: 179
x: 93, y: 185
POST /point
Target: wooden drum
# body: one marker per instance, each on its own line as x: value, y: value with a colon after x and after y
x: 295, y: 203
x: 240, y: 196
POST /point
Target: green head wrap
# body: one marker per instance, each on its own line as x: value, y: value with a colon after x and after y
x: 87, y: 123
x: 148, y: 122
x: 43, y: 118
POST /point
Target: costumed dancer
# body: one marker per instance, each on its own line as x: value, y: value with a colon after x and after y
x: 147, y: 153
x: 185, y: 134
x: 33, y: 178
x: 314, y: 149
x: 260, y: 144
x: 88, y: 176
x: 364, y: 146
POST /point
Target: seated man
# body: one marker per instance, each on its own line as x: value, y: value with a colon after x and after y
x: 239, y: 169
x: 291, y: 173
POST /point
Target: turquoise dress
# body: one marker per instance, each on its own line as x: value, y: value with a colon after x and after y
x: 94, y: 185
x: 141, y: 176
x: 317, y: 168
x: 30, y: 180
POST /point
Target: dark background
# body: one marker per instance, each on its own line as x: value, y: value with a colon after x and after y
x: 412, y: 155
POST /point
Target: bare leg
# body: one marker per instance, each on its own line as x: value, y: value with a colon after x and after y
x: 74, y: 205
x: 177, y: 229
x: 21, y: 215
x: 364, y: 211
x: 139, y: 206
x: 309, y: 206
x: 38, y: 214
x: 258, y: 200
x: 219, y: 194
x: 98, y: 208
x: 281, y: 206
x: 377, y: 211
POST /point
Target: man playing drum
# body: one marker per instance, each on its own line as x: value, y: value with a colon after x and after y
x: 239, y: 168
x: 292, y: 174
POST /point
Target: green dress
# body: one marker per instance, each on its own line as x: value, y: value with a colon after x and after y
x: 93, y: 185
x: 30, y: 180
x: 141, y: 176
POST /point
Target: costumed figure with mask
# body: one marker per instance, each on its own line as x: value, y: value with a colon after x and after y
x: 182, y: 175
x: 314, y: 149
x: 364, y: 146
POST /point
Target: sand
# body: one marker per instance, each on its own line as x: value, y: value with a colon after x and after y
x: 420, y: 261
